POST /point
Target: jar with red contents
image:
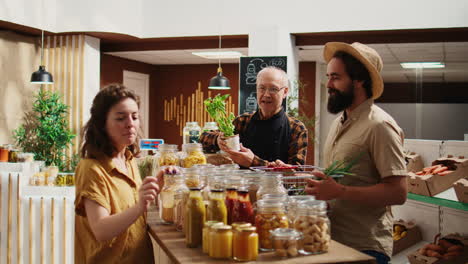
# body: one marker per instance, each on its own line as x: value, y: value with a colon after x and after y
x: 233, y: 182
x: 243, y: 209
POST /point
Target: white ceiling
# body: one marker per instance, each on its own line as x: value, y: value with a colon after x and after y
x: 453, y: 54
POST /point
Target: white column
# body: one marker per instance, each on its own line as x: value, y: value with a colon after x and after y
x: 92, y: 70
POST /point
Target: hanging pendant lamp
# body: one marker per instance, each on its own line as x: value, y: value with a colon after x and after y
x: 219, y: 82
x: 41, y: 76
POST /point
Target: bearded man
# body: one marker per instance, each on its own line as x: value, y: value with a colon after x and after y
x: 360, y: 203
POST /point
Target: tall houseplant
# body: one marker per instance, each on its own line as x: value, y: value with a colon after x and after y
x: 45, y: 131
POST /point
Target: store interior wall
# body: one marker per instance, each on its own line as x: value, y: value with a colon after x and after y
x: 19, y: 57
x: 168, y: 82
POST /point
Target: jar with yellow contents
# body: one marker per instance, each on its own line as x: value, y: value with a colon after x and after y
x: 217, y: 210
x: 271, y: 214
x: 245, y: 244
x: 168, y: 155
x: 193, y: 154
x: 221, y: 242
x: 194, y: 219
x: 206, y: 234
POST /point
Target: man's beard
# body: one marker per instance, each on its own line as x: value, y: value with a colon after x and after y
x: 338, y: 100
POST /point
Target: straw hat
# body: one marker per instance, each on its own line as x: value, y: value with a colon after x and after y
x: 365, y: 54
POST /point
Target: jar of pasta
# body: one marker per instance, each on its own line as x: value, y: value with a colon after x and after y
x: 313, y: 222
x: 245, y: 244
x: 168, y: 155
x: 193, y: 177
x: 221, y: 242
x: 193, y: 154
x: 270, y: 215
x: 286, y: 242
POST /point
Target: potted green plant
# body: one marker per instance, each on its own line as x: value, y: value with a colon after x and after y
x: 45, y: 131
x: 216, y: 108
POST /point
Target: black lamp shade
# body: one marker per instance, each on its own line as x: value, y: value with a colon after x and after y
x: 41, y: 76
x: 219, y: 82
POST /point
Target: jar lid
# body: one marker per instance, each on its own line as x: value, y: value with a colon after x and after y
x: 312, y: 204
x: 239, y: 225
x: 211, y: 222
x: 300, y: 198
x: 167, y: 147
x: 248, y: 229
x: 233, y: 166
x: 285, y: 233
x: 194, y: 188
x: 270, y: 203
x: 221, y: 227
x: 283, y: 197
x: 191, y: 123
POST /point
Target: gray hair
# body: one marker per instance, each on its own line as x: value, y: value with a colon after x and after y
x: 284, y: 76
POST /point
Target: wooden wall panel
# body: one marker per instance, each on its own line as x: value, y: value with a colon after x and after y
x: 307, y: 102
x: 169, y: 86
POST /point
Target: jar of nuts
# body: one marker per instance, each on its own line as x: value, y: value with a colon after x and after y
x: 271, y: 214
x: 313, y: 222
x: 286, y: 242
x: 293, y: 202
x: 168, y: 155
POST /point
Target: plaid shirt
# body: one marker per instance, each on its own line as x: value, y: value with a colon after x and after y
x: 297, y: 143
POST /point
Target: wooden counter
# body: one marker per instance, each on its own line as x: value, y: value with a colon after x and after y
x: 172, y: 243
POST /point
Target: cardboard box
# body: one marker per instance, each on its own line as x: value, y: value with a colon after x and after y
x: 413, y: 236
x: 431, y: 185
x: 461, y: 189
x: 414, y: 162
x: 416, y: 258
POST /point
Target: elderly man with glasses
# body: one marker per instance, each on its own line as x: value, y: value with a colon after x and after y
x: 268, y: 136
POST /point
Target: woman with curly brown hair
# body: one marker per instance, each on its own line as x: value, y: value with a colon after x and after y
x: 111, y: 199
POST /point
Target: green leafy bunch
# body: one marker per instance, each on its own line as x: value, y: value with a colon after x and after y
x: 45, y: 131
x: 216, y: 108
x: 342, y: 167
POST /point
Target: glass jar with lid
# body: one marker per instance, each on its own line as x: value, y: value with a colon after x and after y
x: 191, y: 132
x: 313, y: 222
x: 245, y: 244
x: 4, y: 153
x: 293, y: 202
x: 168, y: 155
x: 193, y: 177
x: 243, y: 209
x: 193, y: 154
x: 195, y: 219
x: 181, y: 193
x: 210, y: 126
x: 252, y: 183
x: 221, y: 242
x: 233, y: 183
x: 271, y: 183
x: 206, y: 234
x: 271, y: 214
x: 286, y: 242
x: 167, y: 197
x: 13, y: 155
x: 217, y: 210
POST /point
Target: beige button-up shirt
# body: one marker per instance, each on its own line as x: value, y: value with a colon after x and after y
x: 371, y: 132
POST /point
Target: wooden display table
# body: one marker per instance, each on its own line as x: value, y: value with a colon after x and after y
x: 166, y: 240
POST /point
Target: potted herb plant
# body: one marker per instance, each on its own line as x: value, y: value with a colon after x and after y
x: 216, y: 108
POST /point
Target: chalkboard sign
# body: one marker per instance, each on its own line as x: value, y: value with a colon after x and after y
x: 249, y: 67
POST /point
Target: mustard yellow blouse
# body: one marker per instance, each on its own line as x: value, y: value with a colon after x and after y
x: 99, y: 180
